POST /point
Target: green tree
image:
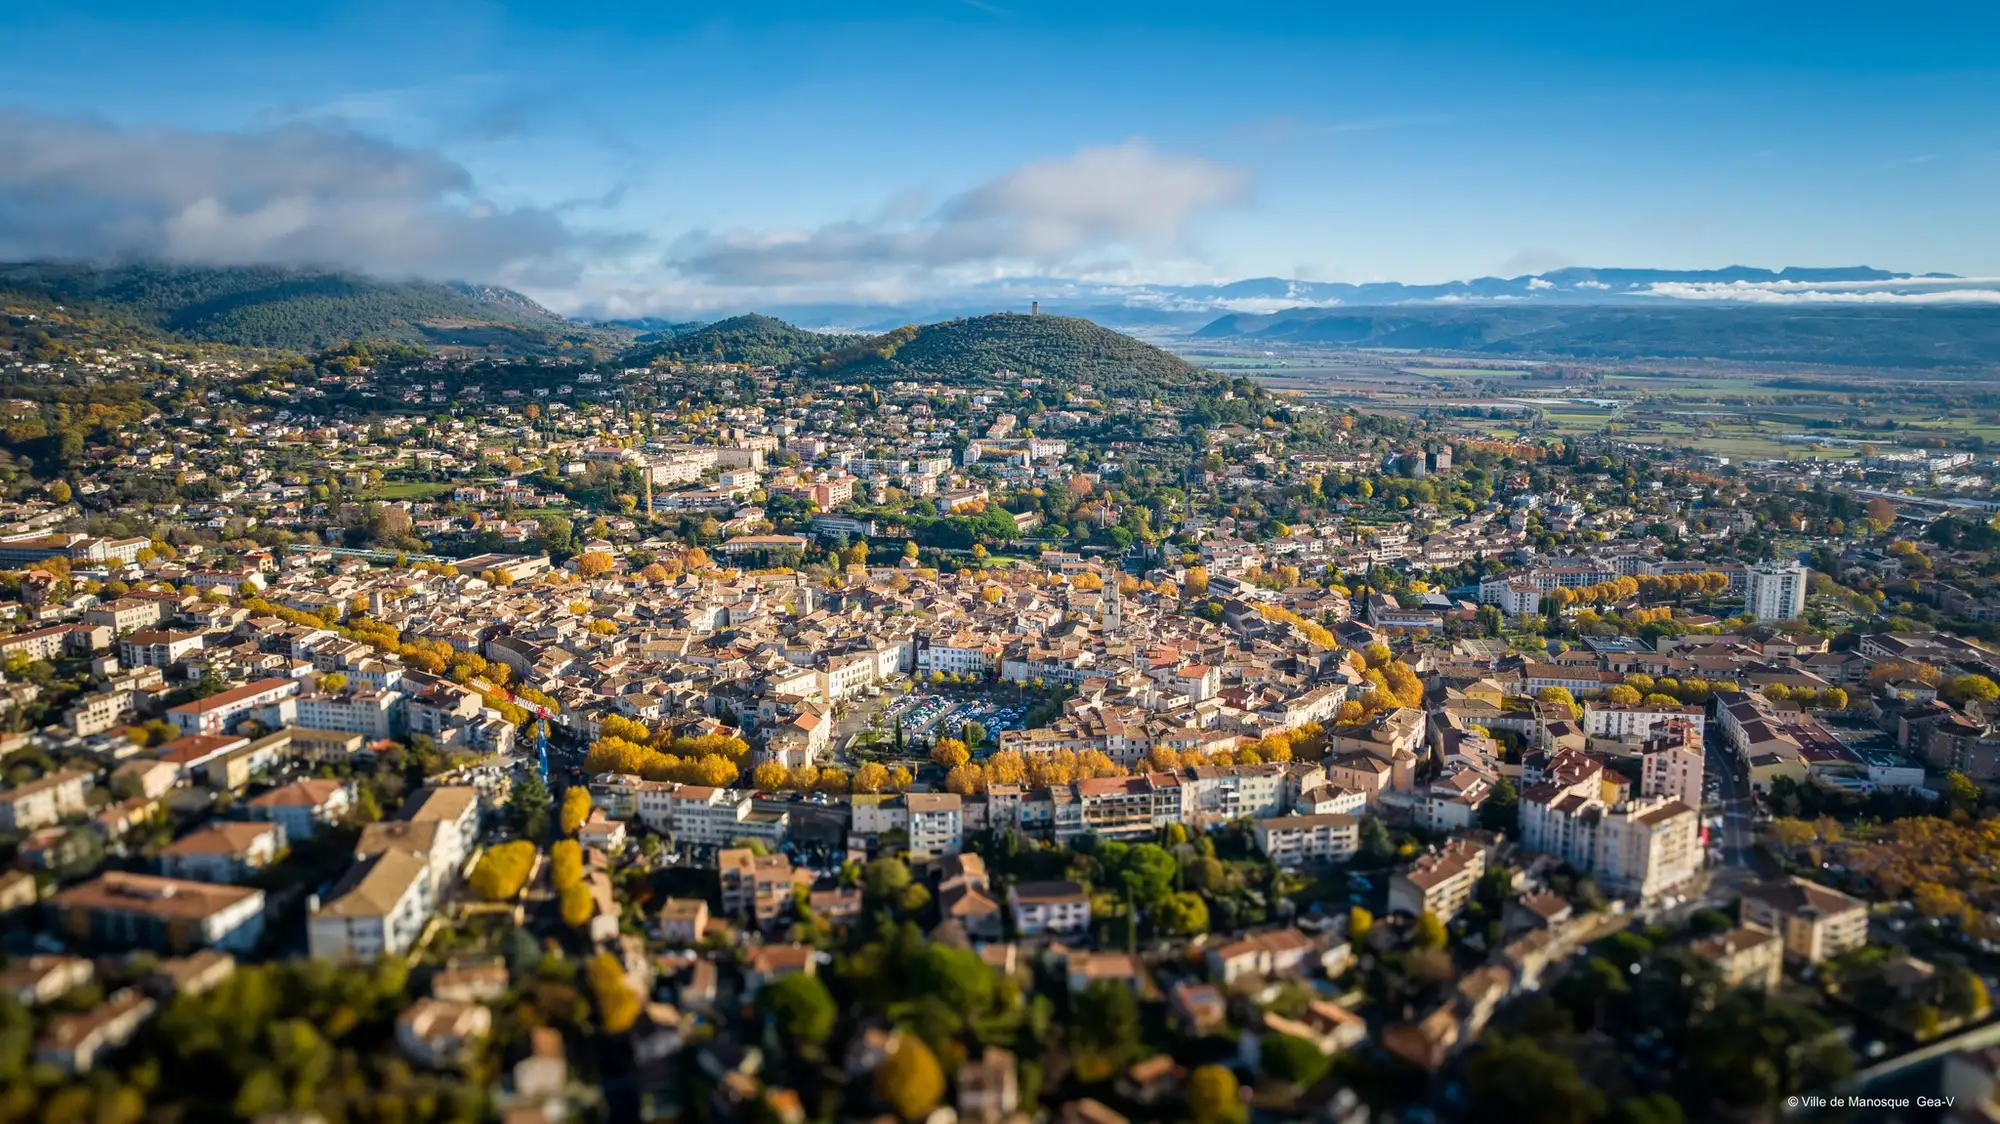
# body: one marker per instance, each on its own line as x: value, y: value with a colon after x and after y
x: 1502, y: 810
x: 1375, y: 842
x: 1182, y: 915
x: 1293, y: 1060
x: 1105, y: 1021
x: 884, y: 879
x: 1428, y: 932
x: 1147, y: 871
x: 1515, y: 1079
x: 1653, y: 1108
x: 803, y: 1009
x: 528, y: 806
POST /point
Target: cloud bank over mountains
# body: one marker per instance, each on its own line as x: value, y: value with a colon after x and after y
x: 1090, y: 232
x: 1101, y: 201
x: 300, y: 193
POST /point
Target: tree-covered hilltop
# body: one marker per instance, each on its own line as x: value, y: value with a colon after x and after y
x: 297, y: 310
x: 1060, y: 348
x: 761, y: 341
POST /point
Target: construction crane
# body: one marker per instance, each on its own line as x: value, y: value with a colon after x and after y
x: 542, y: 742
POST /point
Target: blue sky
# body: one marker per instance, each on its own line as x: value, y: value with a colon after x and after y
x: 681, y: 156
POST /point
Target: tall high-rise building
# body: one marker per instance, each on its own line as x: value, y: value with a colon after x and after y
x: 1776, y: 591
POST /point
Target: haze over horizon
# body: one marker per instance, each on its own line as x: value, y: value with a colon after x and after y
x: 621, y: 160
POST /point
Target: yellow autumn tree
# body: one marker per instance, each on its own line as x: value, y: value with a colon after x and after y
x: 965, y: 780
x: 503, y: 870
x: 578, y: 907
x: 565, y: 864
x: 870, y: 778
x: 950, y: 753
x: 575, y: 808
x: 771, y: 776
x: 617, y: 1003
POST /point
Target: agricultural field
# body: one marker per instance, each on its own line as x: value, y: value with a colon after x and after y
x: 1744, y: 413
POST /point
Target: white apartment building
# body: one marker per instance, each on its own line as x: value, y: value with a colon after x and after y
x: 39, y: 803
x: 1296, y: 841
x: 1816, y: 922
x: 1570, y: 783
x: 1231, y: 792
x: 1673, y: 765
x: 1776, y: 591
x: 455, y: 809
x: 1636, y: 721
x: 954, y: 656
x: 937, y: 824
x: 379, y: 909
x: 933, y: 821
x: 372, y: 714
x: 269, y: 700
x: 696, y: 815
x: 1647, y: 847
x: 1440, y: 883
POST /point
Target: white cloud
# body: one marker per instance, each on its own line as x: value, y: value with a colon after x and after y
x: 1592, y: 285
x: 1051, y: 213
x: 1540, y: 283
x: 1792, y: 292
x: 300, y: 193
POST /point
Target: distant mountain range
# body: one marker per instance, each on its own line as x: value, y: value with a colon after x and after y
x: 1895, y: 336
x: 1851, y: 316
x: 1170, y: 309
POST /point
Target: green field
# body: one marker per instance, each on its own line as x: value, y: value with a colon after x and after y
x: 1473, y: 372
x: 408, y: 490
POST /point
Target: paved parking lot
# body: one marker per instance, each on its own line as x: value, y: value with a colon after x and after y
x: 928, y: 712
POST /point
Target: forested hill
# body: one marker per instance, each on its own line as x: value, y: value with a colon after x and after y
x: 761, y: 341
x: 297, y: 310
x: 1060, y: 348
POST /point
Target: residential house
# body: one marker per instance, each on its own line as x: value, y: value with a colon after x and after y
x: 1043, y: 908
x: 223, y: 851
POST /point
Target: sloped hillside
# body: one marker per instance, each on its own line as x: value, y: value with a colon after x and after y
x: 761, y: 341
x: 297, y: 310
x: 1061, y: 348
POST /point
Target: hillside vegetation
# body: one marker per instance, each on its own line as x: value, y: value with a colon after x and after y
x: 296, y: 310
x: 1061, y: 348
x: 761, y: 341
x: 1909, y: 337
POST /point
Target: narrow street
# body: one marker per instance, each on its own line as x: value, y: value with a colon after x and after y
x: 1733, y: 789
